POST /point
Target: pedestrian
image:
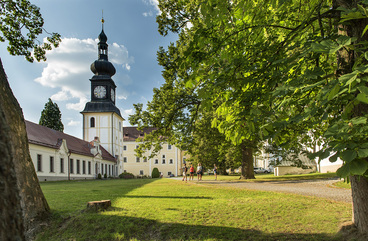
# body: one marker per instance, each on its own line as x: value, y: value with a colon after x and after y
x: 215, y: 171
x: 199, y: 172
x: 185, y: 169
x: 191, y: 170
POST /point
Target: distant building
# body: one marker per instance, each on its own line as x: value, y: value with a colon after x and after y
x: 58, y: 156
x: 169, y: 161
x: 107, y: 147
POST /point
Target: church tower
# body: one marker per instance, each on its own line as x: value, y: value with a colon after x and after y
x: 101, y: 118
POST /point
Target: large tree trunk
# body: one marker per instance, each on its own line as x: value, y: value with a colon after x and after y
x: 346, y: 60
x: 32, y: 201
x: 11, y: 221
x: 247, y: 169
x: 359, y: 188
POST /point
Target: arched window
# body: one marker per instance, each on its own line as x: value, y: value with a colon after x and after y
x: 92, y: 122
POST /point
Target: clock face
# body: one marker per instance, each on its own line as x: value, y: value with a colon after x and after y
x: 100, y: 91
x: 112, y: 95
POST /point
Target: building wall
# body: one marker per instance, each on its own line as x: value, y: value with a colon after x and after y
x: 168, y: 160
x: 109, y: 128
x: 55, y: 164
x: 329, y: 168
x: 281, y: 170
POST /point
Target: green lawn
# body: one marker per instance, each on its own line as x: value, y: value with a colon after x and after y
x: 166, y: 209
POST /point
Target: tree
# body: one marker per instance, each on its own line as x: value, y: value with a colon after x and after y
x: 278, y: 71
x: 51, y: 116
x: 21, y: 22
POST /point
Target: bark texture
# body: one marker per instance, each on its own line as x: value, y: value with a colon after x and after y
x: 359, y: 188
x: 11, y: 221
x: 32, y: 201
x: 247, y: 168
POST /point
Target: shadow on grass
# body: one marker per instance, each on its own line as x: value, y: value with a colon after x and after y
x: 166, y: 197
x: 100, y: 226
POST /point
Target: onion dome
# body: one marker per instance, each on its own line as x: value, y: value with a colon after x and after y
x: 102, y: 37
x: 103, y: 67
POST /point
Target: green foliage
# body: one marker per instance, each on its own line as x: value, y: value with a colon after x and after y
x: 105, y: 175
x: 292, y: 74
x: 126, y: 175
x: 20, y: 25
x: 99, y: 176
x: 51, y: 116
x: 155, y: 173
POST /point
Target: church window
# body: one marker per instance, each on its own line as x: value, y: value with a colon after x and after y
x: 106, y: 169
x: 156, y: 161
x: 169, y: 173
x: 124, y: 148
x: 51, y: 164
x: 84, y: 167
x: 163, y: 161
x: 171, y: 161
x: 141, y: 172
x: 137, y: 159
x: 184, y: 162
x: 39, y: 163
x: 169, y: 147
x: 78, y: 166
x: 101, y: 169
x: 119, y: 126
x: 62, y: 165
x: 89, y: 168
x: 163, y: 157
x: 92, y: 122
x: 71, y: 166
x: 145, y: 159
x: 125, y: 159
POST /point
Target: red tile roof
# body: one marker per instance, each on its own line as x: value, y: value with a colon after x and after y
x: 131, y: 133
x: 44, y: 136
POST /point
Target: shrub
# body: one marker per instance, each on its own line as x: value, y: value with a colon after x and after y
x: 155, y: 173
x: 99, y: 176
x: 126, y: 175
x: 105, y: 175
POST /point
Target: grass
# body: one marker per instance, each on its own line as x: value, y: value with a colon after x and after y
x: 166, y: 209
x: 342, y: 184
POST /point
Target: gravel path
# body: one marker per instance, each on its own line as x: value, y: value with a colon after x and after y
x: 318, y: 188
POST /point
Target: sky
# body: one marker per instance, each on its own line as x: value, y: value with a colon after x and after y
x: 133, y: 39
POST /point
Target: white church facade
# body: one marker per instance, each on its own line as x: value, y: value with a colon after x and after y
x: 107, y: 147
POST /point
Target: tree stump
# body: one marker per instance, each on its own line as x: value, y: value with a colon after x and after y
x: 99, y: 205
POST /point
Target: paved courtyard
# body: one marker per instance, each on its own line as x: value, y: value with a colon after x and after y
x: 318, y: 188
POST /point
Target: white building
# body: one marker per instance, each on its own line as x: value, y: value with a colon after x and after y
x: 107, y: 147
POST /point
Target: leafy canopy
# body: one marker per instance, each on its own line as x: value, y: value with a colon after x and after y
x: 20, y: 25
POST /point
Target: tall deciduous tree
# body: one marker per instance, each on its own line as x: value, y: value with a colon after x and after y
x: 24, y: 205
x: 51, y: 116
x: 278, y: 70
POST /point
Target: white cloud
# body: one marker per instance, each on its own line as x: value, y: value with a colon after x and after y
x: 74, y: 123
x: 122, y: 97
x: 153, y: 3
x: 128, y: 112
x: 68, y: 69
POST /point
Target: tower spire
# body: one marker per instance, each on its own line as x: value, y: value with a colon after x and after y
x: 102, y: 21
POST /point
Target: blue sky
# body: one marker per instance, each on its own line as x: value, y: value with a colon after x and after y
x: 131, y: 29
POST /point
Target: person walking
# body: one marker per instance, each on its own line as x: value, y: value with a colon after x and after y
x: 185, y: 169
x: 215, y: 171
x: 199, y: 172
x: 191, y: 170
